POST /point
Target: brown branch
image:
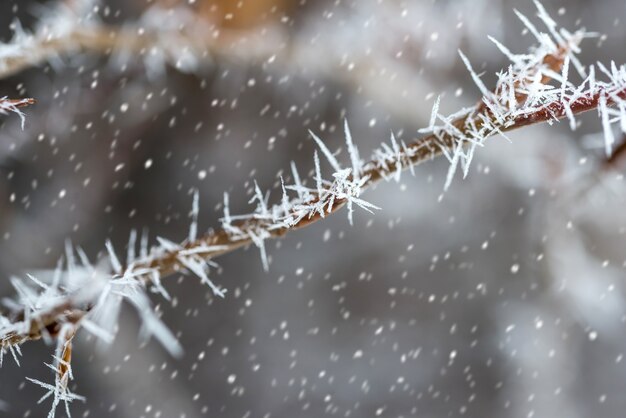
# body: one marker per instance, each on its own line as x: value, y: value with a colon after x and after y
x: 421, y: 150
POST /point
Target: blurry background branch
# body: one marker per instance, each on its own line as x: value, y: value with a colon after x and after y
x: 193, y: 38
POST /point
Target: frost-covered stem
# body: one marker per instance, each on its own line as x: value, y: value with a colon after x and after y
x: 557, y: 110
x: 415, y: 153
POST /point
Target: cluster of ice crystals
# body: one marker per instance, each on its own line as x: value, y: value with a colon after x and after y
x: 36, y: 299
x: 534, y: 82
x: 80, y: 294
x: 346, y: 187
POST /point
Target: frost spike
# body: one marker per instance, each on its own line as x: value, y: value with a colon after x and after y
x: 296, y: 180
x: 195, y: 209
x: 132, y: 242
x: 329, y: 155
x: 115, y: 262
x: 353, y: 151
x: 479, y: 83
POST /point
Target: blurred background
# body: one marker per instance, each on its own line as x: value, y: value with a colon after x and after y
x: 502, y: 297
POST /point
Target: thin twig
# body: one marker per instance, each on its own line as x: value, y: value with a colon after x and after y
x: 18, y: 102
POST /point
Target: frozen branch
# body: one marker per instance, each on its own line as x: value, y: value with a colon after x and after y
x: 456, y: 136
